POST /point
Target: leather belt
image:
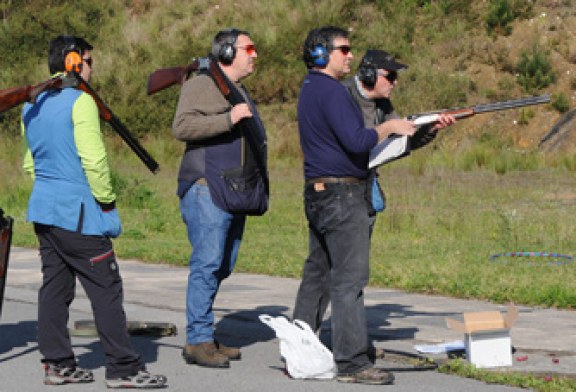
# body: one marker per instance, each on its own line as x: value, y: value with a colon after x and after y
x: 335, y: 180
x: 201, y: 181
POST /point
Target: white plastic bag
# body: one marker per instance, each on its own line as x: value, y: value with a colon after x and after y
x: 305, y: 356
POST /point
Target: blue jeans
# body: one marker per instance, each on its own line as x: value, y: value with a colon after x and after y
x: 215, y: 236
x: 337, y: 269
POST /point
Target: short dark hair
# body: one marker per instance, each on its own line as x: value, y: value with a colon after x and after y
x: 323, y: 36
x: 227, y: 36
x: 60, y: 47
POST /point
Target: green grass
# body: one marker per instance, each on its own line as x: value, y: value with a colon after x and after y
x: 532, y: 381
x: 442, y: 223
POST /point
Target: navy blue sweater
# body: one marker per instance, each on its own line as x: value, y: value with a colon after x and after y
x: 333, y: 137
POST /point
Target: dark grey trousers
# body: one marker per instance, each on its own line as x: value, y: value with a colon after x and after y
x: 337, y: 269
x: 66, y: 256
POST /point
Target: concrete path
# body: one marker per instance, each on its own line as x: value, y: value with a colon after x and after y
x: 398, y: 321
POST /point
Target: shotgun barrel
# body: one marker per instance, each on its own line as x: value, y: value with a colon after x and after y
x: 463, y: 112
x: 107, y: 115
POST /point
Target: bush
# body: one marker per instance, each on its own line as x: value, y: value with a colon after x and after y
x: 535, y: 70
x: 502, y: 13
x: 499, y: 18
x: 560, y: 102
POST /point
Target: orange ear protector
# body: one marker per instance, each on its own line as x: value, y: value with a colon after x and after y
x: 73, y: 62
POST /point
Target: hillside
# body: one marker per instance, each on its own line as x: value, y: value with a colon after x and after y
x: 459, y: 54
x: 490, y: 66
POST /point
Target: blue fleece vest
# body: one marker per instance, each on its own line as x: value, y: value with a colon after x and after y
x: 61, y: 194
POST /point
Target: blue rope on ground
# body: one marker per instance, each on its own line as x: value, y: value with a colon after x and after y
x: 567, y: 258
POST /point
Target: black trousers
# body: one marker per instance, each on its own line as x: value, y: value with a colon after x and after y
x: 69, y: 255
x: 337, y: 269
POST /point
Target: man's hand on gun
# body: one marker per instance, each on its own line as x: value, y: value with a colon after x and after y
x: 239, y: 112
x: 443, y: 121
x: 398, y: 126
x: 406, y: 127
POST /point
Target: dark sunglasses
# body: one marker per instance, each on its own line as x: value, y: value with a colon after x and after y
x: 88, y: 61
x: 392, y: 76
x: 250, y: 49
x: 345, y: 49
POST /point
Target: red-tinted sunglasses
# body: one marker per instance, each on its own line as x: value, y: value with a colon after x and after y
x: 250, y: 49
x: 345, y: 49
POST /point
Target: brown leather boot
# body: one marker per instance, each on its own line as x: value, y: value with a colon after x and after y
x: 232, y: 353
x: 205, y: 354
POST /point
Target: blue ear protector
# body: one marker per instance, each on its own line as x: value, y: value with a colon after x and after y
x: 319, y: 56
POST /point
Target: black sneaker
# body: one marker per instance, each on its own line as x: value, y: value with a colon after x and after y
x: 58, y: 375
x: 371, y: 376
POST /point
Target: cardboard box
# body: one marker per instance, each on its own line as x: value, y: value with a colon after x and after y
x: 487, y: 337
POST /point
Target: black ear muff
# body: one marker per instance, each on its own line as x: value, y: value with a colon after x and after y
x: 319, y: 56
x: 368, y: 75
x: 227, y: 53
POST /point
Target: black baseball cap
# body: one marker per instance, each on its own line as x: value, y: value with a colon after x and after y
x: 381, y: 60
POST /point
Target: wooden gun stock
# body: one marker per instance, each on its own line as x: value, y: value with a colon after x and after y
x: 107, y: 115
x: 15, y: 96
x: 166, y: 77
x: 218, y: 77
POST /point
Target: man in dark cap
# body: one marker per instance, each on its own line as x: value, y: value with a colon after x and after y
x: 371, y: 88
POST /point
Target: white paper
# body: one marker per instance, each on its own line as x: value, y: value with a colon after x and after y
x: 440, y: 348
x: 388, y: 149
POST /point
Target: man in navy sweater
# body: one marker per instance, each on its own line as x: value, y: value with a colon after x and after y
x: 336, y: 147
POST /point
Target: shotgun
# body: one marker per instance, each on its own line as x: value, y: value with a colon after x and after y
x: 459, y: 113
x: 166, y: 77
x: 5, y: 242
x: 107, y: 115
x: 12, y: 97
x: 396, y: 147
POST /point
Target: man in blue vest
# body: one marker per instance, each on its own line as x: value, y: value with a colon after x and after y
x: 222, y: 178
x: 72, y: 206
